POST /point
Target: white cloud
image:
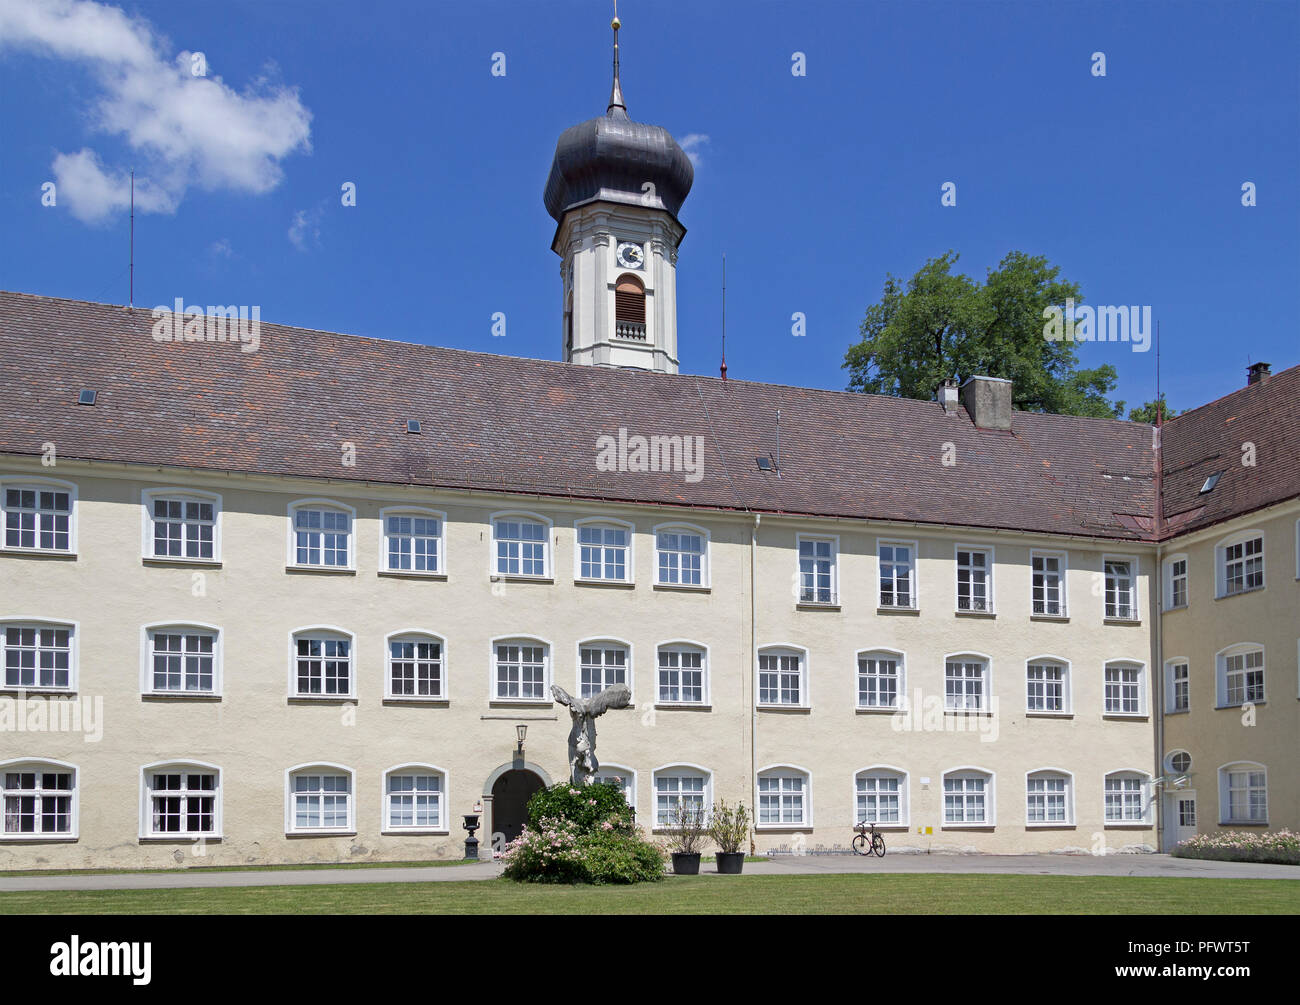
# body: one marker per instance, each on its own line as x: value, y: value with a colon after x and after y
x: 189, y: 130
x: 304, y: 231
x: 690, y: 144
x: 221, y: 249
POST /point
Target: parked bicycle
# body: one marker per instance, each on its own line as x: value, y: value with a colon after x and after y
x: 869, y: 840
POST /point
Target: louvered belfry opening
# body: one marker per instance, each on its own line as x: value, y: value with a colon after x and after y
x: 629, y: 308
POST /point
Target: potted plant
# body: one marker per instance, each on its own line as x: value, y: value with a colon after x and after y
x: 688, y: 821
x: 729, y: 829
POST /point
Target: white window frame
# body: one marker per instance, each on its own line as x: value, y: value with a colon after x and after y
x: 291, y: 554
x: 1170, y: 577
x: 39, y: 484
x: 785, y: 771
x: 900, y: 661
x: 834, y: 572
x: 1067, y: 686
x: 548, y: 546
x: 990, y: 798
x: 415, y: 768
x: 904, y: 794
x: 441, y: 538
x: 705, y: 672
x: 679, y: 769
x: 1221, y: 673
x: 1068, y: 776
x: 322, y: 632
x: 1135, y: 605
x: 1143, y: 687
x: 913, y: 574
x: 74, y: 653
x: 1063, y: 562
x: 147, y: 499
x: 705, y: 556
x: 609, y: 771
x: 1171, y: 704
x: 1221, y: 562
x: 1148, y: 803
x: 602, y: 642
x: 990, y: 561
x: 605, y: 523
x: 39, y: 765
x: 1225, y: 774
x: 181, y: 767
x: 319, y: 768
x: 986, y: 702
x: 548, y: 675
x: 787, y: 649
x: 147, y: 633
x: 415, y: 635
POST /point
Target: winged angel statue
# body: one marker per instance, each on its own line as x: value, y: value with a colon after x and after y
x: 582, y: 737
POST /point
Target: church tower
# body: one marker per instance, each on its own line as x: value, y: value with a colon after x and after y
x: 615, y: 189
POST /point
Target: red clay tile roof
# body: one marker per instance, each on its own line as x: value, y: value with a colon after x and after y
x: 505, y: 424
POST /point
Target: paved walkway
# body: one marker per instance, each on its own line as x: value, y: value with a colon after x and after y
x: 1031, y: 865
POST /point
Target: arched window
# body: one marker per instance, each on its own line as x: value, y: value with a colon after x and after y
x: 1243, y: 793
x: 629, y: 307
x: 414, y: 795
x: 40, y: 799
x: 1049, y: 798
x: 416, y: 666
x: 181, y: 800
x: 1128, y: 799
x: 968, y: 798
x: 880, y: 795
x: 783, y: 797
x: 318, y: 799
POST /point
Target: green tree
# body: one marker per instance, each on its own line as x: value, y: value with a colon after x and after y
x: 1147, y: 413
x: 939, y: 324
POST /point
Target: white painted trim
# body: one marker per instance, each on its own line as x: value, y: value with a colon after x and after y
x: 1135, y: 574
x: 679, y: 768
x: 990, y: 797
x: 146, y: 658
x: 904, y: 790
x: 1220, y: 561
x: 74, y: 656
x: 604, y: 521
x: 834, y: 539
x: 312, y: 631
x: 1144, y: 685
x: 18, y: 481
x: 606, y: 641
x: 1170, y: 663
x: 291, y: 540
x: 444, y: 804
x: 1225, y: 802
x: 901, y: 659
x: 805, y: 671
x: 986, y: 706
x: 548, y: 670
x: 990, y: 577
x: 422, y: 511
x: 181, y: 765
x: 915, y: 577
x: 147, y: 497
x: 548, y: 552
x: 1148, y: 796
x: 321, y: 768
x: 1167, y: 581
x: 1068, y: 689
x: 786, y: 769
x: 1069, y: 798
x: 706, y: 661
x: 630, y: 773
x: 74, y: 832
x: 1221, y: 672
x: 1064, y: 556
x: 423, y: 634
x: 706, y: 562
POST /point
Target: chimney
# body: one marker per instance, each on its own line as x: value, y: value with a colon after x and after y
x: 948, y: 395
x: 988, y: 400
x: 1257, y: 373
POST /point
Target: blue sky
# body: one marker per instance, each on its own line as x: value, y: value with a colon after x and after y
x: 814, y: 186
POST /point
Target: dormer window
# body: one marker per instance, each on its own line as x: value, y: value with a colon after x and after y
x: 629, y: 308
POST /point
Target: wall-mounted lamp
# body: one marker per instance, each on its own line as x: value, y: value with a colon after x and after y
x: 521, y: 731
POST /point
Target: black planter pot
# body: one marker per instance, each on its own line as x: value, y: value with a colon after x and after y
x: 686, y: 865
x: 730, y: 863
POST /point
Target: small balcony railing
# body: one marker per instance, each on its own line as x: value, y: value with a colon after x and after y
x: 630, y: 330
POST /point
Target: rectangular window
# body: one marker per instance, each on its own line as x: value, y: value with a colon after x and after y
x: 602, y: 553
x: 321, y: 537
x: 1187, y: 813
x: 1178, y: 583
x: 601, y: 667
x: 521, y: 672
x: 184, y: 661
x: 1046, y: 800
x: 964, y: 685
x: 1180, y: 687
x: 183, y: 802
x: 670, y: 790
x: 878, y: 681
x: 780, y: 799
x: 681, y: 675
x: 321, y: 802
x: 974, y: 581
x: 324, y: 666
x: 1045, y: 684
x: 38, y: 518
x: 897, y: 575
x: 816, y: 571
x: 1123, y: 690
x: 681, y: 557
x: 38, y: 657
x: 1049, y: 585
x: 879, y: 799
x: 412, y: 543
x: 1124, y: 800
x: 521, y: 548
x: 184, y: 528
x: 1243, y: 566
x: 964, y: 800
x: 1121, y: 602
x: 415, y: 668
x: 38, y: 802
x: 414, y: 801
x: 1247, y: 797
x: 1244, y: 678
x: 779, y: 678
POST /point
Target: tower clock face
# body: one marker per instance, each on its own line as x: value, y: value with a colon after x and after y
x: 630, y: 256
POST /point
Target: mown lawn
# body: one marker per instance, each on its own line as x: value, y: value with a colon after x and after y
x: 836, y: 894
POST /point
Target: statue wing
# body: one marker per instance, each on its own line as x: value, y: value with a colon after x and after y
x: 618, y: 696
x: 563, y: 696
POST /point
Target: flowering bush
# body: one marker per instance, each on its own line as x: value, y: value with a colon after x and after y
x: 582, y: 834
x: 1280, y: 847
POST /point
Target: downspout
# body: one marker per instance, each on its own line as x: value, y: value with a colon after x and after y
x: 753, y: 671
x: 1159, y: 668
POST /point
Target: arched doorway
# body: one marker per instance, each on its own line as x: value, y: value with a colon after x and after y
x: 507, y: 791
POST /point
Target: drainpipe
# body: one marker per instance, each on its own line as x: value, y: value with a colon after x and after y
x: 753, y: 669
x: 1159, y: 668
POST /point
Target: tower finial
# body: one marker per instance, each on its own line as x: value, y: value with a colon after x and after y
x: 616, y: 92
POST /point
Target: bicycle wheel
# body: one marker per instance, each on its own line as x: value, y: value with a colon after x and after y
x: 878, y: 846
x: 860, y: 845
